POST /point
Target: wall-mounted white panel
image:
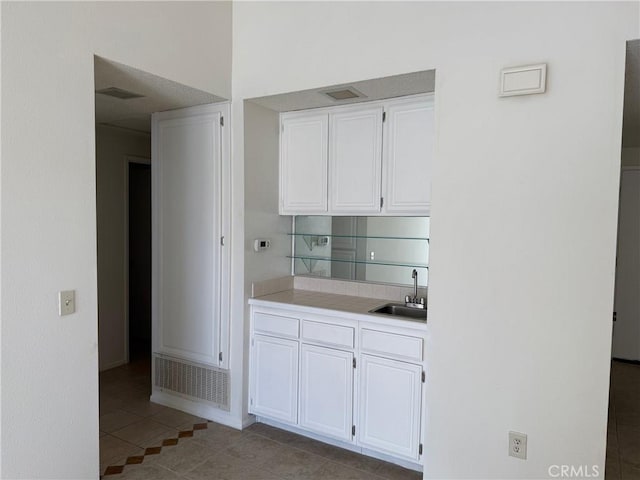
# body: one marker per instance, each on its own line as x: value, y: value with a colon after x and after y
x: 523, y: 80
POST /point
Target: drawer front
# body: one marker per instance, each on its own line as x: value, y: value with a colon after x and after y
x: 328, y: 333
x: 400, y: 346
x: 276, y: 325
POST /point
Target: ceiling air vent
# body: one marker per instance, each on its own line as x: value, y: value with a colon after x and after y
x: 344, y: 93
x: 119, y: 93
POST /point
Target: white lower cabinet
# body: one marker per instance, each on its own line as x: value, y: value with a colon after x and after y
x: 326, y: 391
x: 390, y: 401
x: 313, y: 374
x: 274, y: 374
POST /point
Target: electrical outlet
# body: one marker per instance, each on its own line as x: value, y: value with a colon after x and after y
x: 518, y: 445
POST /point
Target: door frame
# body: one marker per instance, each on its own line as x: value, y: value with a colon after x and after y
x: 128, y: 160
x: 623, y: 169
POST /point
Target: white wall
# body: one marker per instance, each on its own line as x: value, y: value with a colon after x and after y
x: 521, y: 278
x: 1, y: 249
x: 50, y: 364
x: 113, y: 145
x: 631, y: 157
x: 261, y: 127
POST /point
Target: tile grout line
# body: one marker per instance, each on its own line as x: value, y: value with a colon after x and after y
x: 168, y: 442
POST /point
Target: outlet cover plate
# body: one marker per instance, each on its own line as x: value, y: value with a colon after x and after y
x: 518, y: 445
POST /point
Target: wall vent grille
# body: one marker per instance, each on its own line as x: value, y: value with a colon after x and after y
x: 344, y: 93
x: 119, y: 93
x: 192, y: 380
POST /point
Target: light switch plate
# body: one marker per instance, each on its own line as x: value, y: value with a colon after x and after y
x: 66, y: 302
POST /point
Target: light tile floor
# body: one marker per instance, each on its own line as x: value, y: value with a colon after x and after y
x: 130, y: 425
x: 623, y: 436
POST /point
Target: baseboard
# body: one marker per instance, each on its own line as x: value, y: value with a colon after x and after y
x: 196, y: 408
x: 250, y: 420
x: 624, y: 360
x: 111, y: 365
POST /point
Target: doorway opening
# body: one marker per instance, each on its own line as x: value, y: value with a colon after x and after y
x: 623, y: 457
x: 139, y: 258
x: 125, y: 98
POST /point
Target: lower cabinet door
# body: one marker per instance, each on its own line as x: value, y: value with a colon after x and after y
x: 274, y: 380
x: 390, y: 399
x: 326, y: 391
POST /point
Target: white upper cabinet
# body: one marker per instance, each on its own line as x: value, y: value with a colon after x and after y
x: 374, y: 158
x: 409, y: 142
x: 303, y: 163
x: 355, y: 157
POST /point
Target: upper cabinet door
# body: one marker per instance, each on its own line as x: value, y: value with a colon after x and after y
x: 409, y: 146
x: 303, y: 164
x: 355, y: 156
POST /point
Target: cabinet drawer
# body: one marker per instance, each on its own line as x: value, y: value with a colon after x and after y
x: 401, y: 346
x: 276, y: 325
x: 327, y: 333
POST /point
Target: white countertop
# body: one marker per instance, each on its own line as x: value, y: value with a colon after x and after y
x: 321, y: 302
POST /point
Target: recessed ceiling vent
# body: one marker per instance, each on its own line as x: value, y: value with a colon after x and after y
x: 119, y: 93
x: 344, y: 94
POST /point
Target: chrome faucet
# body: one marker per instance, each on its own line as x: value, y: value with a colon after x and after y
x: 415, y: 302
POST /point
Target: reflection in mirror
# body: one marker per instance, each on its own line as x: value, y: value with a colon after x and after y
x: 366, y: 249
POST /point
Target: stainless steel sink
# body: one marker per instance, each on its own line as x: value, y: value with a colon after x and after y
x: 399, y: 310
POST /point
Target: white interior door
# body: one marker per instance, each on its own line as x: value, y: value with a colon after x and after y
x: 626, y: 329
x: 188, y: 223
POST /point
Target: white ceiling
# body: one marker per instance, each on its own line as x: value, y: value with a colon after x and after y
x: 159, y: 93
x: 376, y: 89
x: 631, y: 125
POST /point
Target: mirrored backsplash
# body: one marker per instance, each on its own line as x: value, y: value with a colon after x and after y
x: 365, y: 249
